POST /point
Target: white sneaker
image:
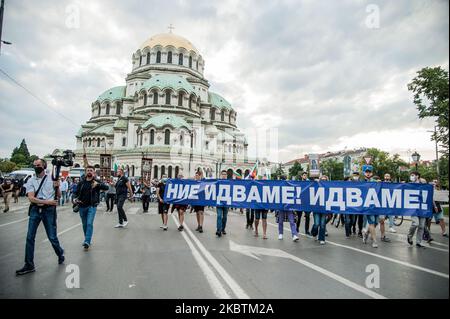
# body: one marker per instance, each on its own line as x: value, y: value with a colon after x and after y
x: 322, y: 242
x: 392, y: 230
x: 125, y: 223
x: 374, y: 244
x: 280, y: 237
x: 118, y: 226
x: 365, y: 236
x: 162, y: 226
x: 295, y: 238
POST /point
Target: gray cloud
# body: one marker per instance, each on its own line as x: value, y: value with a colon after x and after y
x: 314, y: 65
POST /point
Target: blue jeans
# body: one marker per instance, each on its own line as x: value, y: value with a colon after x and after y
x: 222, y: 213
x: 63, y: 197
x: 320, y: 222
x: 48, y: 217
x: 87, y: 215
x: 349, y: 220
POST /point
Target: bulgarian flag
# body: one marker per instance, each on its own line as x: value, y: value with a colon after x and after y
x: 238, y: 176
x: 254, y: 172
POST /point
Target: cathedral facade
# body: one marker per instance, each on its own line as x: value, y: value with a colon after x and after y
x: 165, y: 112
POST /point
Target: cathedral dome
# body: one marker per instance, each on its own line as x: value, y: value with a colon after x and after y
x: 169, y: 39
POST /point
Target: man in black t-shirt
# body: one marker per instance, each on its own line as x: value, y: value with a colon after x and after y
x: 123, y: 187
x: 163, y: 208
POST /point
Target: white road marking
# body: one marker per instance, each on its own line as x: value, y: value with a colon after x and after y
x: 434, y: 272
x: 251, y: 250
x: 403, y: 237
x: 216, y: 286
x: 237, y: 290
x: 16, y: 221
x: 64, y: 231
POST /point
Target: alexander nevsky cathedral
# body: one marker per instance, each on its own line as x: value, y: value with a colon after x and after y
x: 165, y: 112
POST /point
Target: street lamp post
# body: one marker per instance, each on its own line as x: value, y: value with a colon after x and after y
x: 416, y: 157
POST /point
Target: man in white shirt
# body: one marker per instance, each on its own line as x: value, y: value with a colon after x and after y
x: 64, y: 187
x: 41, y: 194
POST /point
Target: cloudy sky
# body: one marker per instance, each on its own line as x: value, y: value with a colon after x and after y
x: 327, y: 75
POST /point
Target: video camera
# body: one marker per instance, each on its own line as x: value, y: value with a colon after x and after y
x: 63, y: 160
x: 58, y: 161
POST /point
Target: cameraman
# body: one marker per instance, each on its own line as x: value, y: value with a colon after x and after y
x: 87, y: 197
x: 41, y: 194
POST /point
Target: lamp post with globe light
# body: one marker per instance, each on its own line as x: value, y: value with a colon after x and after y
x: 416, y: 157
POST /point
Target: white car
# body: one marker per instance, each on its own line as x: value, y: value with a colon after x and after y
x: 76, y: 172
x: 24, y: 174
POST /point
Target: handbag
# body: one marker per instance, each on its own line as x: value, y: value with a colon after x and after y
x: 37, y: 192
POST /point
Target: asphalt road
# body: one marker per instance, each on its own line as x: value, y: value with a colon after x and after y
x: 143, y: 261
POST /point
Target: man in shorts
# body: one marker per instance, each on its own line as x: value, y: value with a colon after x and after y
x: 163, y: 208
x: 199, y: 210
x: 181, y: 209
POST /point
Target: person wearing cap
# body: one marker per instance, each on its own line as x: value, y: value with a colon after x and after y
x: 370, y: 221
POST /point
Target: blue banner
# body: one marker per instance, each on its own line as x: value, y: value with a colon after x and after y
x: 369, y: 198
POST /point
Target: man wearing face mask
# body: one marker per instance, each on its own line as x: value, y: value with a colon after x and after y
x: 370, y: 221
x: 41, y: 193
x: 387, y: 179
x: 123, y: 188
x: 87, y: 197
x: 417, y: 222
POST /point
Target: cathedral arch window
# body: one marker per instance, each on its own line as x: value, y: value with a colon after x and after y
x: 168, y: 93
x: 98, y: 142
x: 155, y: 97
x: 140, y: 60
x: 118, y: 109
x: 196, y: 65
x: 190, y: 62
x: 155, y: 171
x: 182, y: 139
x: 169, y: 172
x: 177, y: 170
x: 141, y: 134
x: 222, y: 115
x: 148, y: 57
x: 99, y: 110
x: 180, y: 98
x: 167, y: 137
x: 213, y: 114
x: 145, y: 99
x: 169, y: 57
x: 180, y: 59
x: 107, y: 109
x: 163, y: 170
x: 124, y: 141
x: 152, y: 137
x: 89, y: 142
x: 158, y: 57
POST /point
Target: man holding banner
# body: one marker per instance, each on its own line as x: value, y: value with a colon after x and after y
x: 222, y: 212
x: 417, y: 222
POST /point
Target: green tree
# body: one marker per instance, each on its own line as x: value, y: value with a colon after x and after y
x: 431, y: 97
x: 443, y: 172
x: 383, y: 163
x: 279, y: 172
x: 333, y: 168
x: 295, y: 170
x: 21, y: 155
x: 7, y: 166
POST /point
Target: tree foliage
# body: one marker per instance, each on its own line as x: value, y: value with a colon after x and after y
x: 431, y: 97
x: 21, y: 156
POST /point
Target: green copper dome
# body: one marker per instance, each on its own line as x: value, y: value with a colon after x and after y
x: 112, y: 94
x: 218, y: 101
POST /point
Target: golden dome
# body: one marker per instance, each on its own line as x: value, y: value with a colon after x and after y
x: 165, y: 39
